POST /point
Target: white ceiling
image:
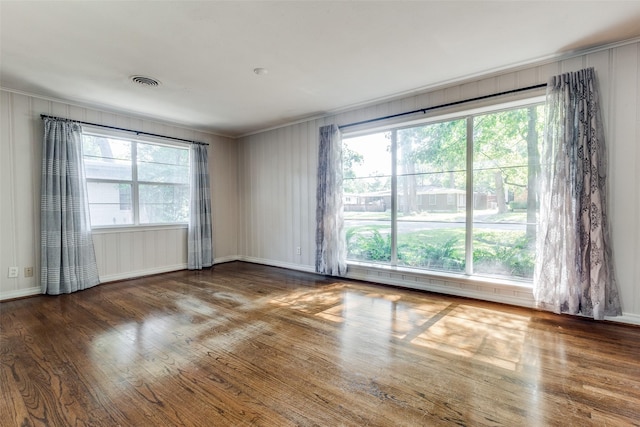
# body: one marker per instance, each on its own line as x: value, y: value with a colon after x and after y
x: 322, y: 56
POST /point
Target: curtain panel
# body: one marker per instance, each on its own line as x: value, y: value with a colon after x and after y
x: 574, y: 270
x: 199, y: 241
x: 330, y: 236
x: 68, y: 261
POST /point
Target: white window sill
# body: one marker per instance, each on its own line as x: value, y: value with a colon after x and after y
x: 137, y: 228
x: 432, y: 274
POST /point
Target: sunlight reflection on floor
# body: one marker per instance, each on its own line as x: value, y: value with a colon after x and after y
x: 480, y: 334
x: 483, y: 335
x: 310, y: 300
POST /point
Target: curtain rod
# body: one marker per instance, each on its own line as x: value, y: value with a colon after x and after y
x: 449, y: 104
x: 137, y: 132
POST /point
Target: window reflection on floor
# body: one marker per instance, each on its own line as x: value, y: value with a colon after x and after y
x: 484, y: 335
x: 128, y: 343
x: 311, y: 301
x: 374, y: 318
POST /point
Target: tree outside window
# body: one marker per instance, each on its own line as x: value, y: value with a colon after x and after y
x: 434, y: 196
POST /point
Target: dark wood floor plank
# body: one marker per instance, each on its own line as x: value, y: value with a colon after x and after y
x: 244, y: 344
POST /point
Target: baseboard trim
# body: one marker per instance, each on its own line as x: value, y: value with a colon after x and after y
x: 158, y: 270
x: 20, y: 293
x: 224, y: 259
x: 287, y: 265
x: 141, y: 273
x: 628, y: 318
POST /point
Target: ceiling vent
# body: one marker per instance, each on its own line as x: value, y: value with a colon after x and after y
x: 145, y: 81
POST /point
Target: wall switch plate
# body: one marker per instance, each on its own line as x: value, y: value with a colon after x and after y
x: 13, y: 272
x: 28, y: 272
x: 298, y: 251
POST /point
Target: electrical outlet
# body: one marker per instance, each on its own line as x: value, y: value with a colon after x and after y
x: 298, y: 251
x: 28, y: 272
x: 13, y: 272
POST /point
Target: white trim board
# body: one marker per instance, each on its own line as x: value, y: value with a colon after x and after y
x: 271, y: 263
x: 20, y: 293
x: 141, y: 273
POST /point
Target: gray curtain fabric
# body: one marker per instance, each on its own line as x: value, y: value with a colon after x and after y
x: 68, y: 261
x: 574, y: 271
x: 200, y: 246
x: 330, y: 238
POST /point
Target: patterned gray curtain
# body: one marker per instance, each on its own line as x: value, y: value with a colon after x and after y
x: 200, y: 246
x: 574, y: 271
x: 68, y: 260
x: 330, y: 237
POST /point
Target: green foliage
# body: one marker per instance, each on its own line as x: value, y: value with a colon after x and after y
x: 442, y: 257
x: 349, y: 159
x: 503, y: 254
x: 440, y: 147
x: 495, y: 252
x: 429, y: 154
x: 500, y: 144
x: 369, y: 246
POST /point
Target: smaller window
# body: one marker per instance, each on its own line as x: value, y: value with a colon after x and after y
x: 432, y: 199
x: 130, y: 182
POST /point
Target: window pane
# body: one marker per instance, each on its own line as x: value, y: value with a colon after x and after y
x: 162, y: 203
x: 106, y: 158
x: 367, y: 197
x: 158, y: 163
x: 110, y: 203
x: 431, y: 196
x: 506, y: 165
x: 432, y: 193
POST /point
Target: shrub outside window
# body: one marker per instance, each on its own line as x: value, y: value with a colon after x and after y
x: 453, y: 202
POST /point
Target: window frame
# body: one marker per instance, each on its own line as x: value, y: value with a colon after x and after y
x: 135, y: 182
x: 456, y: 113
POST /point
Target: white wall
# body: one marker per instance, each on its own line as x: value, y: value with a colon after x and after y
x: 121, y: 254
x: 277, y: 178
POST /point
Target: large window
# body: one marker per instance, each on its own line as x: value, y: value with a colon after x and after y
x: 135, y: 183
x: 456, y: 195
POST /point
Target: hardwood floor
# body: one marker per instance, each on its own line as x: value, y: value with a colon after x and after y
x: 244, y: 344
